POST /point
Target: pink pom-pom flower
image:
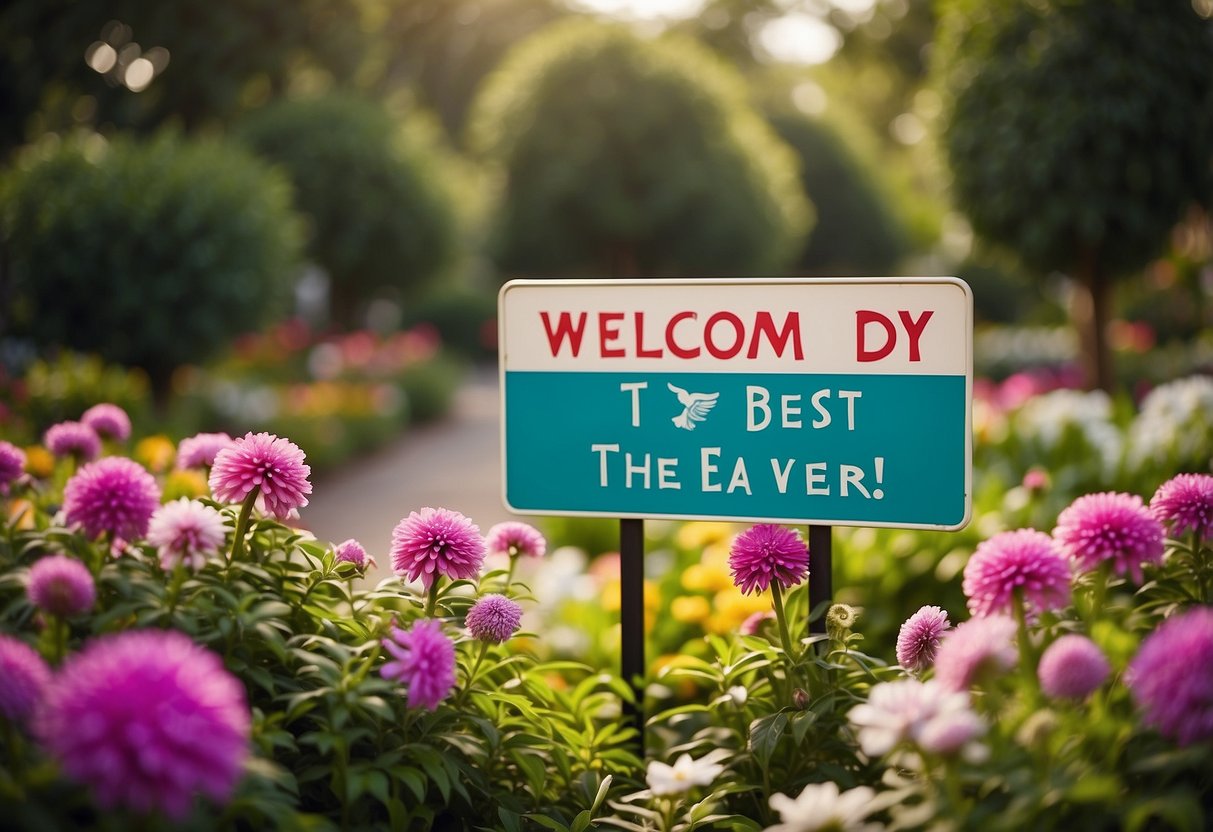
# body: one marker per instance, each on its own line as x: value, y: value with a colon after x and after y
x: 1185, y: 503
x: 436, y: 542
x: 23, y: 679
x: 424, y: 662
x: 109, y: 421
x: 494, y: 618
x: 200, y: 450
x: 513, y: 538
x: 351, y: 551
x: 1072, y: 667
x: 61, y: 585
x: 1109, y: 527
x: 186, y: 532
x: 1171, y: 677
x: 1024, y: 560
x: 918, y: 639
x: 114, y: 495
x: 270, y: 464
x: 12, y: 464
x: 74, y: 439
x: 980, y: 647
x: 765, y: 553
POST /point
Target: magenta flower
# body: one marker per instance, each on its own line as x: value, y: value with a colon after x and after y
x: 265, y: 462
x: 1112, y: 528
x: 1171, y: 678
x: 351, y: 551
x: 1072, y: 667
x: 199, y: 450
x: 436, y: 541
x: 424, y: 662
x: 12, y: 464
x: 112, y: 495
x: 918, y: 639
x: 23, y: 679
x: 753, y: 623
x: 765, y: 553
x: 494, y: 618
x: 1185, y: 503
x: 980, y: 647
x: 61, y: 585
x: 147, y: 719
x: 109, y: 421
x: 186, y: 531
x: 513, y: 538
x: 1024, y: 560
x: 73, y: 439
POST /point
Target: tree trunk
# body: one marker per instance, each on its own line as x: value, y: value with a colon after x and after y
x: 1089, y: 311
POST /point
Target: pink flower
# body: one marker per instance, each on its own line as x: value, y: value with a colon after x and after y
x: 147, y: 719
x: 1113, y: 528
x: 186, y: 531
x: 12, y: 464
x: 199, y: 450
x: 927, y: 714
x: 113, y: 495
x: 979, y: 647
x: 513, y: 538
x: 918, y: 639
x: 61, y: 585
x: 1036, y: 479
x: 23, y: 679
x: 1025, y: 560
x: 73, y: 439
x: 494, y: 618
x: 436, y: 541
x: 272, y: 465
x: 351, y: 551
x: 753, y: 624
x: 767, y: 552
x: 1171, y: 678
x: 1072, y: 667
x: 424, y: 663
x: 109, y: 421
x: 1185, y: 502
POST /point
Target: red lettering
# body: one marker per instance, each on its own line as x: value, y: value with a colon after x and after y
x: 914, y: 329
x: 564, y: 331
x: 607, y: 333
x: 641, y: 352
x: 669, y: 336
x: 738, y: 332
x: 764, y: 325
x: 863, y: 317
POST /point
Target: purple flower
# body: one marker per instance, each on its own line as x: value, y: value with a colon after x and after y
x: 1113, y: 528
x: 12, y: 464
x: 23, y: 679
x: 109, y: 421
x: 199, y: 450
x: 424, y: 662
x: 351, y: 551
x: 494, y: 618
x: 437, y: 541
x: 918, y: 639
x: 1185, y: 502
x: 266, y: 462
x: 73, y: 439
x: 61, y: 585
x: 767, y: 552
x: 976, y: 648
x: 1024, y: 560
x: 112, y: 495
x: 1072, y: 667
x: 186, y: 531
x: 147, y: 719
x: 513, y: 538
x: 1171, y: 678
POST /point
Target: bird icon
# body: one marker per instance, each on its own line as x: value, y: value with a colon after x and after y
x: 696, y: 407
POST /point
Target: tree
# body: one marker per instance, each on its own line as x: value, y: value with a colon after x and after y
x: 631, y: 157
x: 1078, y: 133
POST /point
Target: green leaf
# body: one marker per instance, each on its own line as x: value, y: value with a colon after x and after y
x: 764, y: 736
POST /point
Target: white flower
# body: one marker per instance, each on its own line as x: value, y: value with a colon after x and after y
x: 820, y: 806
x: 738, y: 694
x: 923, y: 713
x: 683, y: 776
x: 186, y: 531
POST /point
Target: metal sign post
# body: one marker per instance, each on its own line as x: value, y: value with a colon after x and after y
x: 821, y: 572
x: 631, y: 615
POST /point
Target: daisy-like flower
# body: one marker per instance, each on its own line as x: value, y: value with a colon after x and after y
x: 436, y: 541
x: 683, y: 776
x: 74, y: 439
x: 821, y: 806
x: 918, y: 638
x: 424, y: 662
x: 61, y: 585
x: 976, y: 648
x: 494, y: 618
x: 200, y: 450
x: 1072, y: 667
x: 766, y: 553
x: 925, y: 714
x: 1024, y: 560
x: 513, y: 538
x: 147, y: 719
x: 1113, y: 528
x: 272, y: 465
x: 12, y: 464
x: 1185, y: 503
x: 186, y: 531
x: 109, y: 421
x: 1171, y: 677
x: 112, y: 495
x: 23, y: 679
x: 351, y: 551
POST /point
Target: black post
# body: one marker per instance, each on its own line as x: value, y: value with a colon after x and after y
x: 821, y: 571
x: 631, y: 615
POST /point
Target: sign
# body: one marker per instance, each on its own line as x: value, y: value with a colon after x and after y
x: 824, y: 401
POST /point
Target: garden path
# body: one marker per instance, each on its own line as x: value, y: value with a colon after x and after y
x: 454, y: 463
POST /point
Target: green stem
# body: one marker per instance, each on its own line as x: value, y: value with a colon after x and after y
x: 1099, y: 592
x: 509, y: 575
x: 1027, y: 653
x: 782, y: 620
x: 174, y: 588
x: 246, y: 510
x: 59, y: 634
x: 467, y: 685
x: 431, y: 600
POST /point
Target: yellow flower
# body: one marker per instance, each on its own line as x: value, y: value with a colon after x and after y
x: 156, y: 453
x: 182, y: 483
x: 731, y: 608
x: 712, y: 573
x: 39, y: 462
x: 690, y: 609
x: 610, y: 596
x: 697, y: 534
x: 21, y: 514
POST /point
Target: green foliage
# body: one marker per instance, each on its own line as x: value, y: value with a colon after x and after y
x: 378, y: 211
x: 626, y: 157
x: 150, y: 254
x: 466, y: 319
